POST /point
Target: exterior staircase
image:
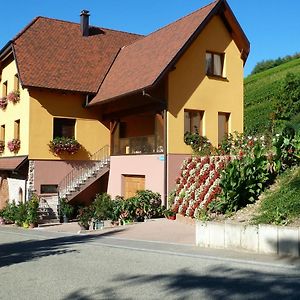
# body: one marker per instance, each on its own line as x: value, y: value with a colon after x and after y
x: 83, y: 176
x: 48, y: 210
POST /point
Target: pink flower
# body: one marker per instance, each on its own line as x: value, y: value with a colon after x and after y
x: 13, y: 96
x: 14, y: 145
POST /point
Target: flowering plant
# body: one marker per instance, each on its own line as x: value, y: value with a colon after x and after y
x: 61, y: 145
x: 14, y: 145
x: 198, y: 184
x: 14, y: 96
x: 200, y: 144
x: 3, y: 102
x: 2, y: 146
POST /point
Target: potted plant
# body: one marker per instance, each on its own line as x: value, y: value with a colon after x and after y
x: 14, y: 96
x: 65, y: 210
x: 21, y: 215
x: 3, y: 102
x: 61, y: 145
x: 102, y: 207
x: 84, y: 217
x: 14, y: 145
x: 170, y: 214
x: 32, y: 211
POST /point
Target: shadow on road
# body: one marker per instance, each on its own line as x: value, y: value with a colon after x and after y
x: 18, y: 252
x: 221, y: 283
x: 217, y: 283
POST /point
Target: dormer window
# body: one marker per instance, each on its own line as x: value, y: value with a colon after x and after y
x: 214, y: 64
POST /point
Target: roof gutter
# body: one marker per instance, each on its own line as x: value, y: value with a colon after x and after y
x: 115, y: 98
x: 17, y: 65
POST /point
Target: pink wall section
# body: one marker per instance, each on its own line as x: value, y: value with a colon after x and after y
x: 174, y: 163
x: 52, y: 172
x: 151, y: 166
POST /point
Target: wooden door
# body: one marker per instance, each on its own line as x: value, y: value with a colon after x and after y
x: 132, y: 184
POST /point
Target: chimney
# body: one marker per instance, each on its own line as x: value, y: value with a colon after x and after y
x: 84, y: 22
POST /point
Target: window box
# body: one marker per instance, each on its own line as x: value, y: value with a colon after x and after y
x: 2, y: 146
x: 14, y: 97
x: 14, y: 145
x: 60, y: 145
x: 3, y: 102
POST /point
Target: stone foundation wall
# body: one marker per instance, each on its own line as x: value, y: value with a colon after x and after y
x: 4, y: 195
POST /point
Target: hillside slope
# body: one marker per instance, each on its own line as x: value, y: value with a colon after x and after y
x: 260, y: 93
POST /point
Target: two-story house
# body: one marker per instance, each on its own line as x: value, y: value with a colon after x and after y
x: 137, y: 94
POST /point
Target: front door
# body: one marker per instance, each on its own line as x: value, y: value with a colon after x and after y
x: 132, y: 184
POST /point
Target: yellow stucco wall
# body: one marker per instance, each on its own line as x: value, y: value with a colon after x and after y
x: 13, y: 112
x: 89, y: 132
x: 190, y: 88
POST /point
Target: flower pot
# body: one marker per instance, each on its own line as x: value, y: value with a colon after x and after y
x: 171, y: 217
x: 66, y: 219
x: 98, y: 225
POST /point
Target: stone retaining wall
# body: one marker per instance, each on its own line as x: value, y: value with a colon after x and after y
x: 264, y: 239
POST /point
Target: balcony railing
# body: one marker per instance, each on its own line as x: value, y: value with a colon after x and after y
x: 138, y: 145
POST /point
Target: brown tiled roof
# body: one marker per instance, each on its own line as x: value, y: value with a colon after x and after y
x: 54, y: 54
x: 11, y: 163
x: 142, y: 64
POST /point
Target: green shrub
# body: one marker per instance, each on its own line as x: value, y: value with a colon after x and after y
x: 286, y: 150
x: 243, y: 180
x: 32, y: 210
x: 102, y: 207
x: 21, y: 213
x: 85, y: 215
x: 65, y: 209
x: 271, y: 63
x: 150, y: 203
x: 171, y: 198
x: 117, y: 208
x: 9, y: 213
x: 145, y: 204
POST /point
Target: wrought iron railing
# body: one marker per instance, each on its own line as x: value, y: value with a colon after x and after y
x: 80, y: 174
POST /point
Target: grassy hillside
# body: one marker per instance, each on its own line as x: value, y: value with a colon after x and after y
x: 261, y: 91
x: 281, y: 203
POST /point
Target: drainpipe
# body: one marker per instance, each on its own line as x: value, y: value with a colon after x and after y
x: 165, y: 160
x: 164, y: 102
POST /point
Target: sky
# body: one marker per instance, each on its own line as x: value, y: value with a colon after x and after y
x: 272, y: 26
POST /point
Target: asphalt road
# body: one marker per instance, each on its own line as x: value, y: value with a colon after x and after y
x: 43, y: 265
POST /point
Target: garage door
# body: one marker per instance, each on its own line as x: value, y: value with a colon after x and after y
x: 132, y: 184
